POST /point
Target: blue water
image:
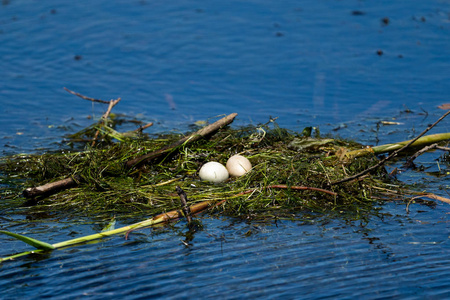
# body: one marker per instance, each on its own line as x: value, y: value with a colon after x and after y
x: 207, y: 59
x: 403, y: 256
x: 310, y: 63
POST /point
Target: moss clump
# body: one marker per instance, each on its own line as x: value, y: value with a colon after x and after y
x: 279, y: 157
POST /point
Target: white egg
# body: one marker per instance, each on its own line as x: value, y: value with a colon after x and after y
x: 238, y: 165
x: 214, y: 172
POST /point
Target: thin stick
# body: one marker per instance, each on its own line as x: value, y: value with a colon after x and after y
x: 434, y: 196
x: 87, y: 98
x: 188, y: 139
x: 111, y: 103
x: 410, y: 162
x: 443, y: 148
x: 141, y: 128
x: 105, y: 116
x: 184, y: 205
x: 393, y: 154
x: 51, y: 188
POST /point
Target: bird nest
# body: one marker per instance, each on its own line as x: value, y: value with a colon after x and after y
x: 293, y: 174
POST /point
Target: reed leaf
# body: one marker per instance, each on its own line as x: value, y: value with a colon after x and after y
x: 30, y: 241
x: 12, y: 257
x: 421, y: 142
x: 165, y: 217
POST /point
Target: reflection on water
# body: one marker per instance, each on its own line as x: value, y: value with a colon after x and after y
x: 337, y: 65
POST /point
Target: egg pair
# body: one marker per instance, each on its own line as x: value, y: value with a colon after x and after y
x: 237, y: 165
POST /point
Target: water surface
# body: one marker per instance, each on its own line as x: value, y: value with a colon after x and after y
x: 341, y: 66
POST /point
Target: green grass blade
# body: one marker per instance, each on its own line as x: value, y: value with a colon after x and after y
x: 96, y: 236
x: 171, y: 215
x: 44, y: 246
x: 111, y: 225
x: 161, y: 218
x: 12, y: 257
x: 30, y: 241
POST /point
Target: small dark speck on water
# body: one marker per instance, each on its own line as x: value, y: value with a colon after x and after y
x: 380, y: 52
x: 358, y: 13
x: 385, y: 21
x: 77, y: 57
x: 279, y: 34
x: 421, y: 19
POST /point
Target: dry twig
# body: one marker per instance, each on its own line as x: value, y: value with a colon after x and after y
x: 205, y: 131
x: 410, y: 162
x: 184, y: 205
x: 52, y: 187
x: 87, y: 98
x: 105, y: 116
x: 141, y: 128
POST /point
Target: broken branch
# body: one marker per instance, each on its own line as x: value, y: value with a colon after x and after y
x: 105, y: 116
x: 410, y: 162
x: 184, y: 205
x: 87, y: 98
x: 52, y: 187
x: 205, y: 131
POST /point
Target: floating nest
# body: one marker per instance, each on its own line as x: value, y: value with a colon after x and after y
x: 292, y: 175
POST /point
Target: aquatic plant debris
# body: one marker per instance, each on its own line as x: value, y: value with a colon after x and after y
x: 142, y: 175
x: 96, y: 181
x: 101, y: 182
x: 43, y: 246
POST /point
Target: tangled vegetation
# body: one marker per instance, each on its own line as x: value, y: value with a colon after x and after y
x: 292, y: 173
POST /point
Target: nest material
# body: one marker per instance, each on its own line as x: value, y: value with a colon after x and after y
x: 279, y: 158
